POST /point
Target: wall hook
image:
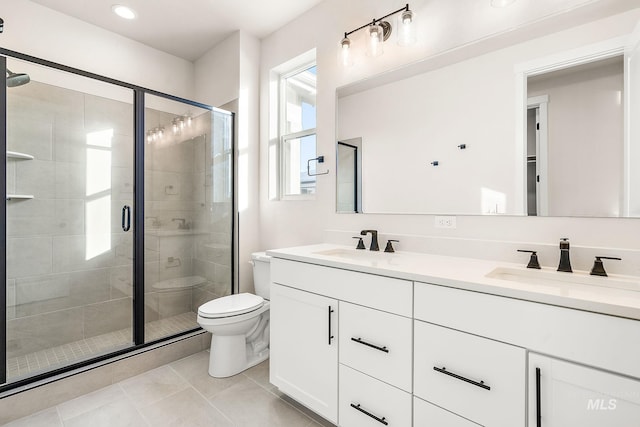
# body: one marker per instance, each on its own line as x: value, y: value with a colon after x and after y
x: 435, y: 163
x: 319, y: 159
x: 462, y: 146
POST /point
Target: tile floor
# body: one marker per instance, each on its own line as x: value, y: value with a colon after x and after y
x: 181, y: 394
x: 51, y: 358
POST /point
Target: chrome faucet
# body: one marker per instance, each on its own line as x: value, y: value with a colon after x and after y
x: 374, y: 239
x: 182, y: 225
x: 565, y: 262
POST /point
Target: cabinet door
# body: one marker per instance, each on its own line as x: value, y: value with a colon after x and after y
x: 566, y: 394
x: 304, y: 348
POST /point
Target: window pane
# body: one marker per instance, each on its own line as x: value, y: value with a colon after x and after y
x: 297, y: 152
x: 300, y: 98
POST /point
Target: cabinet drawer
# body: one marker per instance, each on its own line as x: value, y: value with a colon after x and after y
x: 477, y: 378
x: 383, y: 293
x: 367, y: 402
x: 426, y: 414
x: 376, y: 343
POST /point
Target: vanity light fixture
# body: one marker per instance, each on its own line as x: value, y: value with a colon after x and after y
x: 378, y: 31
x: 123, y: 11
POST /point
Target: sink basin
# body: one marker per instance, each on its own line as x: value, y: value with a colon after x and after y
x: 555, y: 278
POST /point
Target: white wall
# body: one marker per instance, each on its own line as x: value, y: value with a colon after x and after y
x: 444, y: 26
x: 41, y: 32
x: 248, y: 148
x: 217, y: 72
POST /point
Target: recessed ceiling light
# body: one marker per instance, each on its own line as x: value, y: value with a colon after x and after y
x: 501, y: 3
x: 123, y: 11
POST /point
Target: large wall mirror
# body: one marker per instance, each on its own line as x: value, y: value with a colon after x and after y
x: 546, y: 127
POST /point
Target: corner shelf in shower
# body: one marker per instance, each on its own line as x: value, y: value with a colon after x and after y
x: 19, y: 196
x: 17, y: 155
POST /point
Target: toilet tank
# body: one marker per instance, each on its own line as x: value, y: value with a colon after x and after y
x: 261, y: 274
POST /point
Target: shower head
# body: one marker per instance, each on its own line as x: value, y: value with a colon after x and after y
x: 17, y: 79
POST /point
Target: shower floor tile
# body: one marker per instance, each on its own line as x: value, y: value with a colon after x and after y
x: 45, y: 360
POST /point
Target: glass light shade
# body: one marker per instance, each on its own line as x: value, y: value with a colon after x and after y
x: 346, y: 55
x: 375, y: 39
x: 406, y: 28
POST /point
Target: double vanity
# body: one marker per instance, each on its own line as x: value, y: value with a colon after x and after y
x: 369, y: 338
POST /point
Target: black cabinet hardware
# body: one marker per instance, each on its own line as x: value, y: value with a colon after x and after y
x: 538, y: 410
x: 369, y: 414
x: 359, y: 341
x: 126, y: 218
x: 480, y: 384
x: 330, y: 336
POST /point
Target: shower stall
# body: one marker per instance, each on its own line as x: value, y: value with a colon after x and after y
x: 118, y: 216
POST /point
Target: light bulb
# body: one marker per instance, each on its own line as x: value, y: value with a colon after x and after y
x: 346, y: 59
x: 376, y: 38
x: 189, y: 121
x: 406, y: 28
x: 174, y: 126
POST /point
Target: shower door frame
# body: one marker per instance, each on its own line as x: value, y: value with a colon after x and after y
x: 138, y: 326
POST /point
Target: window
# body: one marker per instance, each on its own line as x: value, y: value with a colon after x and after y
x: 297, y: 130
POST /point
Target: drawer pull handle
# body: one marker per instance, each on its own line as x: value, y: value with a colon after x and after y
x: 538, y: 408
x: 369, y: 414
x: 331, y: 310
x: 359, y: 341
x: 480, y: 384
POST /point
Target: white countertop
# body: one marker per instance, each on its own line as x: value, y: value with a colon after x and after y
x: 615, y: 295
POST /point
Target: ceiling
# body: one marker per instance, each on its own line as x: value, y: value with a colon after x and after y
x: 186, y: 29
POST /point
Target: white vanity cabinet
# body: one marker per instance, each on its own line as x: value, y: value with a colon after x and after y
x: 370, y: 350
x: 304, y: 348
x: 363, y: 349
x: 567, y: 394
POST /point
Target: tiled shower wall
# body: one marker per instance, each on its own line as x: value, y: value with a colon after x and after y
x: 57, y: 291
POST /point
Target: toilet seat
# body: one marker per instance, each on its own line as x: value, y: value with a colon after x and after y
x: 231, y: 305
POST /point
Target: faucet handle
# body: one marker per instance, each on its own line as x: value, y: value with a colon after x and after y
x: 389, y: 247
x: 598, y: 266
x: 533, y: 261
x: 360, y: 242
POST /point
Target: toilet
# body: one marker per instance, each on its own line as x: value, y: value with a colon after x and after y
x: 239, y: 324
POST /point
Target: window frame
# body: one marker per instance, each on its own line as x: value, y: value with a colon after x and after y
x: 284, y: 137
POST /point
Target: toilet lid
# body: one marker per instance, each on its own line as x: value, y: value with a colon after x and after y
x: 231, y: 305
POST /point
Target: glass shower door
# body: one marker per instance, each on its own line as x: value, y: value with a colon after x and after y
x: 188, y: 213
x: 69, y: 216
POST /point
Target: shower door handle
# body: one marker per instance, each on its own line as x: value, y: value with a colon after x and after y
x: 126, y: 218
